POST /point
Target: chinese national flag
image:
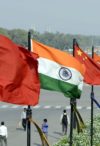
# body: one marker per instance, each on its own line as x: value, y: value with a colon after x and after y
x: 19, y: 82
x: 92, y: 74
x: 97, y: 58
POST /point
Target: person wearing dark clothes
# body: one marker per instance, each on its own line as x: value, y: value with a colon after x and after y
x: 64, y: 120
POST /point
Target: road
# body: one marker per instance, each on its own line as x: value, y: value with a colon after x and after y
x: 51, y: 105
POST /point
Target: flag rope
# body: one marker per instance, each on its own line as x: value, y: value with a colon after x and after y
x: 79, y: 120
x: 95, y: 101
x: 42, y: 136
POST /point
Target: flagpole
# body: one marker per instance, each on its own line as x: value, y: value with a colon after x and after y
x: 71, y: 123
x: 92, y: 108
x: 74, y: 100
x: 29, y: 111
x: 72, y: 115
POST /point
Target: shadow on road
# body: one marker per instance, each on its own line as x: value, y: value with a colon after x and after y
x: 50, y: 135
x: 58, y: 133
x: 20, y: 129
x: 36, y: 144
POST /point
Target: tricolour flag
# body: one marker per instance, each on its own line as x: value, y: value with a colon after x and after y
x: 59, y: 71
x: 92, y: 73
x: 19, y: 81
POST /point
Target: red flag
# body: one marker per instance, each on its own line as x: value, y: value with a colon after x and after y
x: 92, y: 74
x: 97, y: 58
x: 19, y: 82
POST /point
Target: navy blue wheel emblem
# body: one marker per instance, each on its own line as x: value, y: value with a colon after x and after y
x: 65, y: 73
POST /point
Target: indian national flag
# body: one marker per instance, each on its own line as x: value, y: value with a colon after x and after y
x: 58, y: 70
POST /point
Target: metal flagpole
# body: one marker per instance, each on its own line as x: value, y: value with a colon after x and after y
x: 71, y: 123
x: 74, y: 100
x: 29, y: 111
x: 72, y: 115
x: 92, y: 109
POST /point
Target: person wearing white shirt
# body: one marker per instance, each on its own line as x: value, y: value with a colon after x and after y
x: 3, y: 134
x: 23, y: 117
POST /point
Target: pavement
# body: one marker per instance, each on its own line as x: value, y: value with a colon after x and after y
x: 51, y: 105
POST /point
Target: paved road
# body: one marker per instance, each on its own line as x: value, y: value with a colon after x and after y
x: 50, y: 106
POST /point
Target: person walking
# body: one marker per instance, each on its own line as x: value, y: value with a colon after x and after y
x: 45, y: 127
x: 23, y: 117
x: 64, y: 120
x: 3, y: 134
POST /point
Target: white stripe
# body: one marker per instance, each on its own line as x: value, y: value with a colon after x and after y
x: 88, y: 108
x: 36, y: 107
x: 68, y: 107
x: 58, y: 107
x: 4, y: 106
x: 47, y: 107
x: 51, y: 69
x: 15, y: 106
x: 79, y: 107
x: 25, y: 106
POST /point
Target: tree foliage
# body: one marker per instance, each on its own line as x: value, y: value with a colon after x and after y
x: 58, y: 40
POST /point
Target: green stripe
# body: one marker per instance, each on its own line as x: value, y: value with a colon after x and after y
x: 69, y: 90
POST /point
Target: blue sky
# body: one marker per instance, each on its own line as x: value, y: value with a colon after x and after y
x: 65, y: 16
